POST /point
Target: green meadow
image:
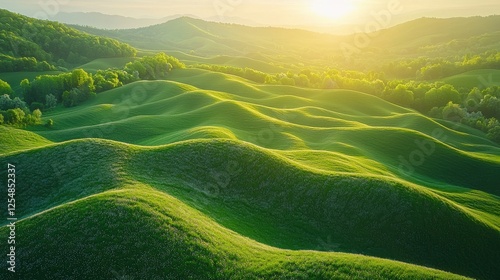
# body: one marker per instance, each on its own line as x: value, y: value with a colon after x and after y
x: 203, y: 174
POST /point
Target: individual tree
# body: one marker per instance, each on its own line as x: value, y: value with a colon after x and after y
x: 14, y: 116
x: 287, y: 81
x: 5, y: 88
x: 490, y: 106
x: 18, y: 103
x: 302, y: 80
x: 25, y: 85
x: 453, y: 112
x: 50, y: 101
x: 5, y: 102
x: 70, y: 98
x: 473, y: 100
x: 493, y: 91
x: 49, y: 123
x: 401, y: 95
x: 494, y: 134
x: 37, y: 116
x: 438, y: 97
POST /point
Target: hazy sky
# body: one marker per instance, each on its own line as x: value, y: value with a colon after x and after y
x: 277, y: 12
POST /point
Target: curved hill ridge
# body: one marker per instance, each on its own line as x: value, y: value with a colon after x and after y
x: 235, y: 183
x: 476, y: 78
x: 335, y: 121
x: 307, y: 170
x: 136, y: 217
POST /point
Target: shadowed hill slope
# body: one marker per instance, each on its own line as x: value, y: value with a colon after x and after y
x: 284, y: 166
x: 181, y: 243
x: 254, y: 192
x: 407, y: 144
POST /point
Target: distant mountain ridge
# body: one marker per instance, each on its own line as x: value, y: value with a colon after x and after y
x: 110, y: 22
x: 205, y: 38
x: 104, y: 21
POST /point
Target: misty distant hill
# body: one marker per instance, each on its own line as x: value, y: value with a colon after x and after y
x: 206, y: 38
x: 103, y: 21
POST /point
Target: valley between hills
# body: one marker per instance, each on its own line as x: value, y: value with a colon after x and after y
x: 234, y: 156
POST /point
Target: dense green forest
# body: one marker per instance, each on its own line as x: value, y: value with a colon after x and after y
x: 28, y: 44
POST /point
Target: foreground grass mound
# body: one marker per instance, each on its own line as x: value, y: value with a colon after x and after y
x: 107, y: 236
x: 255, y: 193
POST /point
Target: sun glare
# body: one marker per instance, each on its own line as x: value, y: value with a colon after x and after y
x: 332, y: 9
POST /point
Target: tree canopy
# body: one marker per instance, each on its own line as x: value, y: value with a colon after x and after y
x: 29, y: 44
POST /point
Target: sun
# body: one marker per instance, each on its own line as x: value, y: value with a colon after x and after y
x: 332, y: 9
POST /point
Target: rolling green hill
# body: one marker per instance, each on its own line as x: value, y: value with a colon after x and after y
x: 105, y: 63
x: 279, y: 166
x: 131, y: 215
x: 478, y: 78
x: 211, y: 38
x: 207, y: 175
x: 432, y: 31
x: 107, y: 234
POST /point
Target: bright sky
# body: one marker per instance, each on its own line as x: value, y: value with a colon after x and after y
x: 277, y: 12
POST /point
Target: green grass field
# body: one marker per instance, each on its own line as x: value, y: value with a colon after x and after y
x: 178, y: 213
x: 478, y: 78
x: 253, y: 181
x: 105, y: 63
x: 206, y: 175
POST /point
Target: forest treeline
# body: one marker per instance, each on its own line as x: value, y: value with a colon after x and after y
x: 425, y: 68
x: 70, y: 89
x: 28, y: 44
x: 475, y: 107
x: 478, y: 108
x: 15, y: 111
x: 77, y: 86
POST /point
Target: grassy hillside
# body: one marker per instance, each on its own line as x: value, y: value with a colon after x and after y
x: 207, y: 175
x: 477, y: 78
x: 436, y: 31
x: 105, y: 63
x: 335, y: 121
x: 211, y: 38
x: 130, y: 215
x: 295, y: 169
